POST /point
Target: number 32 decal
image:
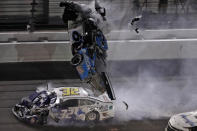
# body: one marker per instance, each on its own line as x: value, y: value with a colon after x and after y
x: 70, y: 91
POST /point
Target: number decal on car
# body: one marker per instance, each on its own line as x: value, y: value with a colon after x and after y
x: 74, y: 91
x: 70, y: 91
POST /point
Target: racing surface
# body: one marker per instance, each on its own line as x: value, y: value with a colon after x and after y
x: 12, y: 91
x: 19, y: 79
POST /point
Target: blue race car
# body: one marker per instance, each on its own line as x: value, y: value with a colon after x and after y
x: 88, y: 43
x: 85, y: 54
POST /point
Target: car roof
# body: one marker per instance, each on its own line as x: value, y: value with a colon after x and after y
x: 71, y: 92
x: 79, y: 93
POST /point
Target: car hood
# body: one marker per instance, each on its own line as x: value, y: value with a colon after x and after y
x: 184, y: 120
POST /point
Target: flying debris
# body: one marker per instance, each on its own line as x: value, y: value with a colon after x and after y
x: 127, y: 106
x: 134, y: 23
x: 100, y: 10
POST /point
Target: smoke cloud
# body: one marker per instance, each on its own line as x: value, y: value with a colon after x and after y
x: 150, y: 94
x: 154, y: 97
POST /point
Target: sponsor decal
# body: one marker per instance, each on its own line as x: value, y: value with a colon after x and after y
x: 103, y: 108
x: 79, y: 112
x: 187, y: 120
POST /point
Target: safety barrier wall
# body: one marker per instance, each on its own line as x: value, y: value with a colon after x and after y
x: 6, y: 37
x: 118, y: 50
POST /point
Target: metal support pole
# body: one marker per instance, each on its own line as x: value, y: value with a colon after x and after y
x: 32, y: 18
x: 46, y: 10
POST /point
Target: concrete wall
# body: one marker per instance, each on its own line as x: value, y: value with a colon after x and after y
x: 34, y: 52
x: 118, y: 50
x: 123, y: 45
x: 62, y: 35
x: 153, y: 49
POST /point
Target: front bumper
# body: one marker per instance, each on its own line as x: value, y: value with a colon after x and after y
x: 171, y: 128
x: 31, y: 119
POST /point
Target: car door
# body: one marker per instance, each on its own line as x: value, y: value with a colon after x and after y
x: 67, y: 109
x: 87, y: 105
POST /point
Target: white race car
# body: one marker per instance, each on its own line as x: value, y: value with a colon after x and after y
x: 183, y: 122
x: 65, y: 104
x: 77, y: 103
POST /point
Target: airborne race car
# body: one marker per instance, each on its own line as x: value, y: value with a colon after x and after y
x: 183, y: 122
x: 65, y: 104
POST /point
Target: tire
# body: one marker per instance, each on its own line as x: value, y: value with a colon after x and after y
x: 76, y: 60
x: 92, y: 116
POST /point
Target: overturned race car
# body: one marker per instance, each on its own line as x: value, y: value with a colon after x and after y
x: 64, y: 104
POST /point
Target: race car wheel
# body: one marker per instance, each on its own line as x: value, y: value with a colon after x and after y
x: 92, y: 116
x: 76, y: 60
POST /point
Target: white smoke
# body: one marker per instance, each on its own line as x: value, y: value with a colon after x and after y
x: 154, y: 98
x: 147, y: 95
